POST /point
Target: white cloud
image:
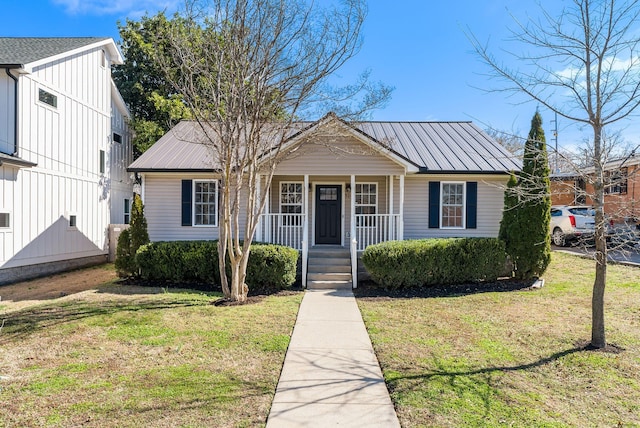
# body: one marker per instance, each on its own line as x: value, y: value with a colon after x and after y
x: 116, y: 7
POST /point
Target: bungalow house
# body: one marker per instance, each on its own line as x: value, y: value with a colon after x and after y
x: 622, y: 181
x: 64, y: 149
x: 345, y: 186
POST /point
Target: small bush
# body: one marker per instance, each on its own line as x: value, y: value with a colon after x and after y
x: 125, y: 262
x: 417, y: 263
x: 270, y: 267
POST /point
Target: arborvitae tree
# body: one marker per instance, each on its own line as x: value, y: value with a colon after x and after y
x: 532, y: 245
x: 138, y: 228
x: 509, y: 225
x: 125, y: 262
x: 131, y: 239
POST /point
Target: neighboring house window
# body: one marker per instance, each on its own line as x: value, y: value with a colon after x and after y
x: 102, y: 161
x: 73, y: 221
x: 127, y: 211
x: 5, y: 220
x: 103, y: 59
x: 205, y: 203
x: 117, y: 138
x: 452, y: 205
x: 47, y: 98
x: 616, y: 181
x: 291, y: 196
x: 366, y: 203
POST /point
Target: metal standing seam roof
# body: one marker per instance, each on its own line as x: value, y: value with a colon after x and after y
x: 435, y: 147
x: 25, y: 50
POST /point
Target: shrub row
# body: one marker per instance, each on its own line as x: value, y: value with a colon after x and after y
x: 270, y: 267
x: 417, y: 263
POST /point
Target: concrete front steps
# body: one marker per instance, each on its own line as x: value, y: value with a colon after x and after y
x: 329, y: 267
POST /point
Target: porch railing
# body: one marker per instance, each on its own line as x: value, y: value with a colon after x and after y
x: 375, y: 228
x: 282, y: 229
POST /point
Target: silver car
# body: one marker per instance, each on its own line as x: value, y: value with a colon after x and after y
x: 570, y: 223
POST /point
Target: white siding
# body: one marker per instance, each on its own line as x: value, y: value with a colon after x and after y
x: 416, y: 208
x: 119, y: 158
x: 7, y: 113
x: 163, y: 209
x: 65, y: 142
x: 338, y: 155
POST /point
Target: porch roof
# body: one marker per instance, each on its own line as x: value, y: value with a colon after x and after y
x: 425, y: 147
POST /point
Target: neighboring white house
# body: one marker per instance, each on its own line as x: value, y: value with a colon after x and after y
x: 344, y: 185
x: 64, y: 149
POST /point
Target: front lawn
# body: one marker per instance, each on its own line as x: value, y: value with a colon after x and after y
x: 129, y: 356
x: 513, y: 358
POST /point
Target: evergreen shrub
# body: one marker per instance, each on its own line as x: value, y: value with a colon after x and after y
x: 270, y: 267
x: 426, y: 262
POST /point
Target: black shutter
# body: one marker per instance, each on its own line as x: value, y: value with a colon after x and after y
x: 187, y: 190
x: 472, y: 204
x: 434, y: 204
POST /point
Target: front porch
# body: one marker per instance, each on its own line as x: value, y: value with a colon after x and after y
x: 348, y: 211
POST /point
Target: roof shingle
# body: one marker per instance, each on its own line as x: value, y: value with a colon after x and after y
x: 24, y: 50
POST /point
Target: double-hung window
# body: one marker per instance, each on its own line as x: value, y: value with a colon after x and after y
x: 291, y: 196
x: 366, y: 203
x: 205, y: 203
x: 452, y: 205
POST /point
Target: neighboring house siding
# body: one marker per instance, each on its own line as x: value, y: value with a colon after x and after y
x: 121, y: 155
x: 7, y: 114
x: 65, y: 142
x: 416, y: 209
x: 348, y: 155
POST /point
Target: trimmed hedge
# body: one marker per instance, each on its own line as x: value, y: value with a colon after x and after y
x: 417, y: 263
x: 270, y: 267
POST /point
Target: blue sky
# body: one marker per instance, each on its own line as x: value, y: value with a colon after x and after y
x: 417, y: 46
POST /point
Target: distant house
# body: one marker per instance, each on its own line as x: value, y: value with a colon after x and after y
x: 622, y: 189
x: 348, y: 186
x: 64, y: 149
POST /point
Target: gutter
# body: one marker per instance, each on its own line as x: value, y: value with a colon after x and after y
x: 15, y: 111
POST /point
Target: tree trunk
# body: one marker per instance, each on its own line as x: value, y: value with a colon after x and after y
x: 598, y: 339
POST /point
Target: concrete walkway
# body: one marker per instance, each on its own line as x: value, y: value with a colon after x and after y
x: 331, y: 375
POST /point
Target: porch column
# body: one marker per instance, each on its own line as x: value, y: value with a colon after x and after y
x: 392, y: 227
x: 354, y: 242
x: 267, y: 224
x: 401, y: 219
x: 305, y: 229
x: 258, y: 205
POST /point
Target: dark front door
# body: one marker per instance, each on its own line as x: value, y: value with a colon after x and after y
x: 328, y: 214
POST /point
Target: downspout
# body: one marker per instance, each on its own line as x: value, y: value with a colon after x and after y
x: 15, y: 111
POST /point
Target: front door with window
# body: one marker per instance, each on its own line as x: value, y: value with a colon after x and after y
x: 328, y: 214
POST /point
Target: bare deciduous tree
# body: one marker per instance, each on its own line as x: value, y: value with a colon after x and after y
x: 248, y: 70
x: 582, y: 64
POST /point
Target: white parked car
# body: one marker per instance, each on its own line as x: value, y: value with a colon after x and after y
x: 570, y: 223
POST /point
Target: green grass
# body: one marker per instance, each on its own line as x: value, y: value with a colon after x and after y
x: 513, y: 358
x: 127, y: 358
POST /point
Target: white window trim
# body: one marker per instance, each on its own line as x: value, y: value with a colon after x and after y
x: 193, y: 204
x: 124, y: 212
x: 464, y: 205
x: 280, y: 196
x: 10, y: 227
x: 355, y: 194
x: 68, y: 216
x: 280, y: 204
x: 42, y: 103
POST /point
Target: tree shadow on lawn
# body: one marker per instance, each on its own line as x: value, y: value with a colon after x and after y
x: 481, y: 382
x: 369, y: 289
x: 22, y: 323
